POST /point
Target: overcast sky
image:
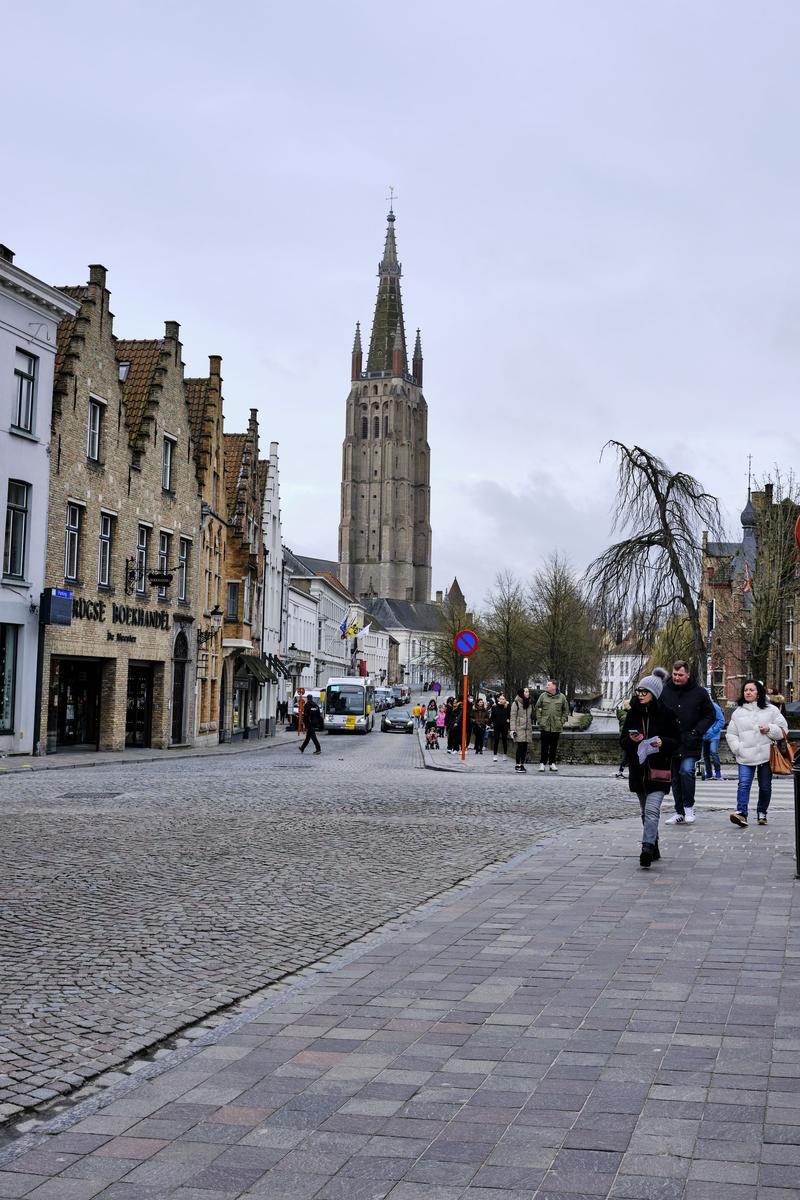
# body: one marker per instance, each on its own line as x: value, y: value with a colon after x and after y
x: 597, y: 215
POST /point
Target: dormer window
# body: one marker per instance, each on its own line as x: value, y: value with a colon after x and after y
x: 124, y: 368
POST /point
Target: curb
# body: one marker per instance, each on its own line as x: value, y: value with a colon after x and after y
x: 162, y: 755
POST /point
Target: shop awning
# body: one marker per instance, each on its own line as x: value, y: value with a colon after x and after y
x: 275, y: 664
x: 257, y: 669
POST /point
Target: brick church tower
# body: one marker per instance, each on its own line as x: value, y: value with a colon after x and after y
x: 385, y: 531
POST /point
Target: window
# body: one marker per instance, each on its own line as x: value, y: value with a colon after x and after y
x: 8, y: 660
x: 364, y: 426
x: 790, y: 625
x: 25, y: 390
x: 376, y: 427
x: 72, y: 549
x: 95, y: 425
x: 164, y: 542
x: 105, y: 548
x: 232, y: 602
x: 142, y: 543
x: 248, y: 592
x: 16, y: 529
x: 385, y: 424
x: 167, y: 458
x: 183, y: 567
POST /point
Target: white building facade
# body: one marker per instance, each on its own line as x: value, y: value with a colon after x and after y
x: 302, y: 632
x: 274, y: 600
x: 30, y: 312
x: 621, y: 669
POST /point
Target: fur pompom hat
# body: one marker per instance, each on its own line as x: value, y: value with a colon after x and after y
x: 653, y: 683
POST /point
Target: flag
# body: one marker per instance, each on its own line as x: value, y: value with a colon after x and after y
x: 343, y: 628
x: 747, y: 586
x: 363, y: 632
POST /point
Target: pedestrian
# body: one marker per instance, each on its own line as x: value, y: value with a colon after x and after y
x: 622, y: 713
x: 650, y: 736
x: 521, y: 724
x: 312, y: 721
x: 470, y: 710
x: 552, y: 714
x: 711, y: 744
x: 754, y: 727
x: 499, y: 719
x: 440, y: 720
x: 692, y: 705
x: 430, y: 713
x: 454, y: 728
x: 479, y: 719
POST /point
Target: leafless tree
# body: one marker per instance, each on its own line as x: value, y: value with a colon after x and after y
x: 656, y: 566
x: 446, y: 661
x: 508, y: 634
x: 566, y: 642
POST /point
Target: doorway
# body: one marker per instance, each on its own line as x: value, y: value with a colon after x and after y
x: 180, y: 657
x: 139, y: 714
x: 75, y: 696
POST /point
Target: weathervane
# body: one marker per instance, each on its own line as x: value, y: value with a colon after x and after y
x: 390, y: 198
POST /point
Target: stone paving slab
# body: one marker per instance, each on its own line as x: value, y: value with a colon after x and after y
x: 567, y: 1026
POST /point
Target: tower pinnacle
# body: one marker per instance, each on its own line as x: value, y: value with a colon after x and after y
x: 388, y: 310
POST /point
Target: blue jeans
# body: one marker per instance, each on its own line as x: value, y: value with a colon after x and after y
x: 746, y: 776
x: 683, y: 783
x: 711, y: 755
x: 650, y: 805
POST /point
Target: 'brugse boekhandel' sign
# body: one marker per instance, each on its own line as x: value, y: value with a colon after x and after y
x: 121, y: 614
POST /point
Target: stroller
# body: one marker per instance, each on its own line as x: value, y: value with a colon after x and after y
x: 432, y: 737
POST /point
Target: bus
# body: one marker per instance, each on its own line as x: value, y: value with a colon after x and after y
x: 349, y: 705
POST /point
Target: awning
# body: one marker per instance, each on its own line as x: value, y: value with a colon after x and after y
x: 275, y: 664
x: 257, y: 668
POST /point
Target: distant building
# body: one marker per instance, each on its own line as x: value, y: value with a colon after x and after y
x: 385, y: 531
x: 30, y: 313
x: 620, y: 670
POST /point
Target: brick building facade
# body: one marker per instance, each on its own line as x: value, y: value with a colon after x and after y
x: 124, y: 505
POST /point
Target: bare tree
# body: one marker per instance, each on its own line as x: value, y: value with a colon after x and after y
x: 445, y: 660
x: 774, y: 578
x: 508, y: 633
x: 566, y: 643
x: 656, y: 567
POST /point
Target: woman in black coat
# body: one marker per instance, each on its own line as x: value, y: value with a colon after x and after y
x: 647, y: 718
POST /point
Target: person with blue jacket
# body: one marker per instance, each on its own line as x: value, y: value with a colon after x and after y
x: 711, y: 744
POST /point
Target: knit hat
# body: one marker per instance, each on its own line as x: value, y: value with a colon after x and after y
x: 653, y: 683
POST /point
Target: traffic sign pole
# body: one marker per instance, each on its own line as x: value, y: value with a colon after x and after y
x: 464, y: 712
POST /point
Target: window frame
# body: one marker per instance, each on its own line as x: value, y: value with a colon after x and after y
x: 23, y: 378
x: 231, y: 592
x: 72, y: 542
x: 22, y: 510
x: 142, y: 551
x: 168, y: 463
x: 183, y: 567
x: 164, y: 548
x: 94, y: 435
x: 105, y: 547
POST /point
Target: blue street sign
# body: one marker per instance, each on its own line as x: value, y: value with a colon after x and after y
x: 466, y: 642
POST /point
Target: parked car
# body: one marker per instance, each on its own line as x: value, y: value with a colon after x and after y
x: 397, y: 720
x: 383, y: 699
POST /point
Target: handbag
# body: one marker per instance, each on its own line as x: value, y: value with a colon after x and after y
x: 780, y: 758
x: 659, y: 775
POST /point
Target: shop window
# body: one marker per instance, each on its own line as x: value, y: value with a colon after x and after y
x: 94, y: 430
x: 167, y: 464
x: 142, y: 548
x: 183, y: 567
x: 105, y: 550
x: 72, y: 547
x: 8, y: 662
x: 232, y: 602
x: 17, y: 513
x: 25, y: 371
x: 164, y: 542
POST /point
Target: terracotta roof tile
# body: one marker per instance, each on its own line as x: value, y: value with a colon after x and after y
x: 234, y: 450
x: 66, y: 327
x: 196, y: 400
x: 143, y: 358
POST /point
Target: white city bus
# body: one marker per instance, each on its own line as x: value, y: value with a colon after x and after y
x: 349, y: 705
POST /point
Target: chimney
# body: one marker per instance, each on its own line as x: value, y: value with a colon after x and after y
x: 6, y: 254
x: 215, y: 366
x: 97, y: 274
x: 439, y: 598
x: 768, y: 494
x: 172, y: 329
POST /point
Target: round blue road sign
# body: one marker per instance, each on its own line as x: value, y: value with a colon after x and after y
x: 466, y: 642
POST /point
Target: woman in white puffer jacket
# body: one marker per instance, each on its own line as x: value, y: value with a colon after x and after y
x: 754, y: 727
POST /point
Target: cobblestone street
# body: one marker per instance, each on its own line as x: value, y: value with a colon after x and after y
x: 136, y: 900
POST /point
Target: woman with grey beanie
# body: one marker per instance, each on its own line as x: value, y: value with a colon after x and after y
x: 650, y: 736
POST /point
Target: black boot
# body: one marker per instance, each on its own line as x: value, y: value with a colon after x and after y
x: 646, y: 857
x: 656, y: 853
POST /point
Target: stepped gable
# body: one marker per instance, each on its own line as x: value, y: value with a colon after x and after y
x: 234, y: 454
x: 140, y: 388
x: 67, y: 327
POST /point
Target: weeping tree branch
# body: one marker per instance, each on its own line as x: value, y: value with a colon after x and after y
x: 656, y: 565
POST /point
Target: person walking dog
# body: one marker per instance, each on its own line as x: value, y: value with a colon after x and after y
x: 552, y: 714
x: 650, y: 735
x: 755, y: 726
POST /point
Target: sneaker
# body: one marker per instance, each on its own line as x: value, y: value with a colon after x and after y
x: 542, y: 767
x: 718, y: 775
x: 516, y: 768
x: 522, y: 771
x: 646, y: 857
x: 318, y: 752
x: 619, y: 775
x: 689, y: 816
x: 739, y: 819
x: 762, y: 818
x: 494, y: 758
x: 675, y: 819
x: 553, y: 767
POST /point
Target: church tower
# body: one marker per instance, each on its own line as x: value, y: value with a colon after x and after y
x: 385, y: 531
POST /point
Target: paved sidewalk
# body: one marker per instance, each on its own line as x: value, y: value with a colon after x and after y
x: 567, y: 1026
x: 80, y: 759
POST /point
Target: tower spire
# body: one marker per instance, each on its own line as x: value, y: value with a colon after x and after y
x: 356, y: 360
x: 388, y: 310
x: 416, y: 366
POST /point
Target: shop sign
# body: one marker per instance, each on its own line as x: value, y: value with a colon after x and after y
x: 55, y: 607
x: 121, y: 614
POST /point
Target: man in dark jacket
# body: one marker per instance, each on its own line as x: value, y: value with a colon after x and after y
x: 692, y: 705
x: 312, y: 721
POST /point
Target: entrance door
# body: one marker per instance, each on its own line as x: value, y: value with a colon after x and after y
x: 180, y: 656
x: 78, y: 722
x: 139, y: 716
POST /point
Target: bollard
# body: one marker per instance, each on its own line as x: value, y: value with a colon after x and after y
x: 796, y: 778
